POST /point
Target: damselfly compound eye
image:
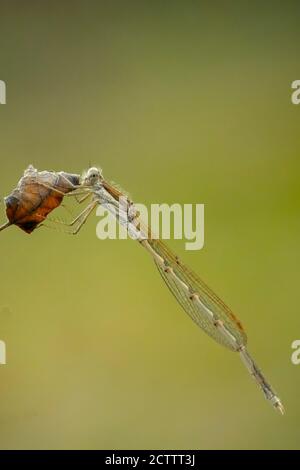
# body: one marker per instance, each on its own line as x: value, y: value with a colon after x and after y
x: 93, y: 174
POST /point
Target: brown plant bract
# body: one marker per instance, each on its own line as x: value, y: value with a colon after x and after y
x: 37, y: 194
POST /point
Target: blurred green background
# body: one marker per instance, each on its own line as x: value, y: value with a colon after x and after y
x: 177, y: 101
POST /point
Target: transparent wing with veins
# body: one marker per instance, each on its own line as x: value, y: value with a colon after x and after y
x: 207, y: 297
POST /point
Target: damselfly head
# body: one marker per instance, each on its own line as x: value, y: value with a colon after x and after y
x: 92, y: 176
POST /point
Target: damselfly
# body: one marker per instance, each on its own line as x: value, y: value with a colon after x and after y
x: 205, y: 308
